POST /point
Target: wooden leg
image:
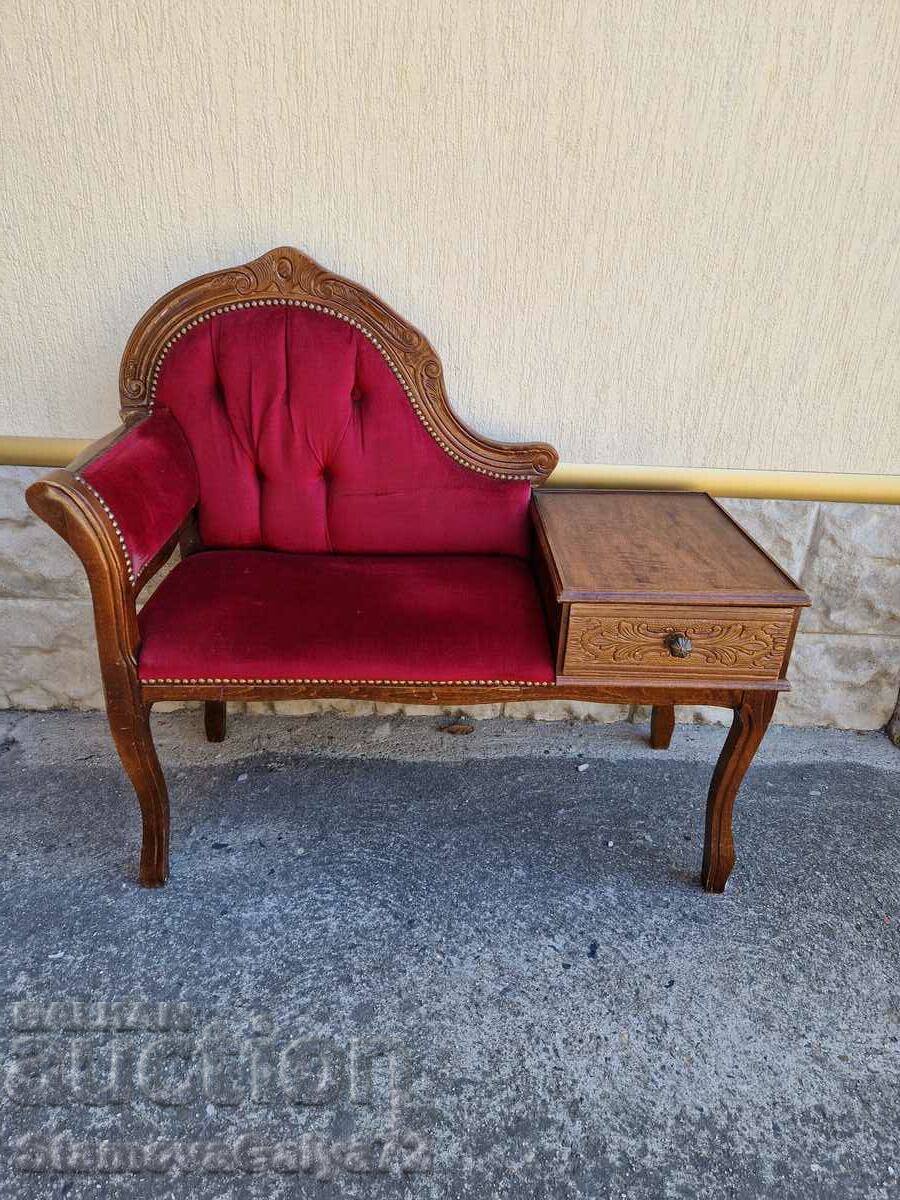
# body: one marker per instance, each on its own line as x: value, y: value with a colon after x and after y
x: 134, y: 742
x: 215, y: 716
x: 662, y: 723
x: 751, y: 719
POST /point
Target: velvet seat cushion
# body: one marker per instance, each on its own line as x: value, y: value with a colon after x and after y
x: 258, y: 615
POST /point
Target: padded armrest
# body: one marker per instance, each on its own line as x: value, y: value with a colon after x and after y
x: 147, y: 482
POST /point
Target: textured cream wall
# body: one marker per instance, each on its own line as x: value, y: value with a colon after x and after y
x: 661, y: 233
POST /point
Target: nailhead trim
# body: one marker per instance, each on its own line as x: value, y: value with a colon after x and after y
x: 386, y: 682
x: 115, y: 524
x: 323, y: 308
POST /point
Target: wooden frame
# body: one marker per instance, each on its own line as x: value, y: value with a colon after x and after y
x: 285, y: 276
x: 80, y: 517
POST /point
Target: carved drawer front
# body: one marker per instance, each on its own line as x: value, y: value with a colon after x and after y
x: 658, y: 641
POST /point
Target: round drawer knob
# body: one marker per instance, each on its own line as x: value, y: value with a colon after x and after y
x: 679, y: 645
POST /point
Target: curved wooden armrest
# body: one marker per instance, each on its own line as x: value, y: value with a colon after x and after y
x: 147, y: 457
x: 118, y: 543
x: 77, y: 514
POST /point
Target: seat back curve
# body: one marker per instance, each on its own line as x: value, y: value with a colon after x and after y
x: 322, y: 427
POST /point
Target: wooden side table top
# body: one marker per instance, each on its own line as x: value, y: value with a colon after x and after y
x: 656, y: 546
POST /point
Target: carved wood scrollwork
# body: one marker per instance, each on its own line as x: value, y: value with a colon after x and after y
x: 735, y: 644
x: 284, y: 275
x: 751, y: 646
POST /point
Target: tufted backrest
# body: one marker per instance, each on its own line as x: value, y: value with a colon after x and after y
x: 304, y: 440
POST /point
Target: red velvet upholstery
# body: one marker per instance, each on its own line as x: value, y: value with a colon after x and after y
x: 305, y: 441
x: 149, y: 482
x: 257, y: 615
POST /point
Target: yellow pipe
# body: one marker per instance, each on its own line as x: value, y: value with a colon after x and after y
x: 718, y: 481
x: 762, y: 485
x: 39, y: 451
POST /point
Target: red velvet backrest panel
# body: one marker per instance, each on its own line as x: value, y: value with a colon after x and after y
x: 148, y: 480
x: 305, y: 441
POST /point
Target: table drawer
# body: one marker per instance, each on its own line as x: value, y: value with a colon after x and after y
x: 625, y: 641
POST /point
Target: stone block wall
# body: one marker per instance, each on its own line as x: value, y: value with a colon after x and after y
x: 845, y: 667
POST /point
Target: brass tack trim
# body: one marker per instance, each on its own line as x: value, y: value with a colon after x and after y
x: 115, y: 524
x: 378, y: 682
x: 331, y: 312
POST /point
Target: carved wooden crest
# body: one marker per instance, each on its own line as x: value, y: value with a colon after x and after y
x: 285, y: 275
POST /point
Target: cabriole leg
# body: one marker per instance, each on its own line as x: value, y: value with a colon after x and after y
x: 215, y: 717
x: 662, y: 723
x: 134, y: 742
x: 751, y: 719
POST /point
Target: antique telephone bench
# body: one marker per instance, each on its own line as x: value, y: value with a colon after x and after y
x: 344, y: 534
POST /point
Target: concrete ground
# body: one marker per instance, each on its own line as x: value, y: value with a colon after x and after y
x: 391, y: 962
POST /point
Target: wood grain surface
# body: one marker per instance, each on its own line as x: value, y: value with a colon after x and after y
x: 656, y: 545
